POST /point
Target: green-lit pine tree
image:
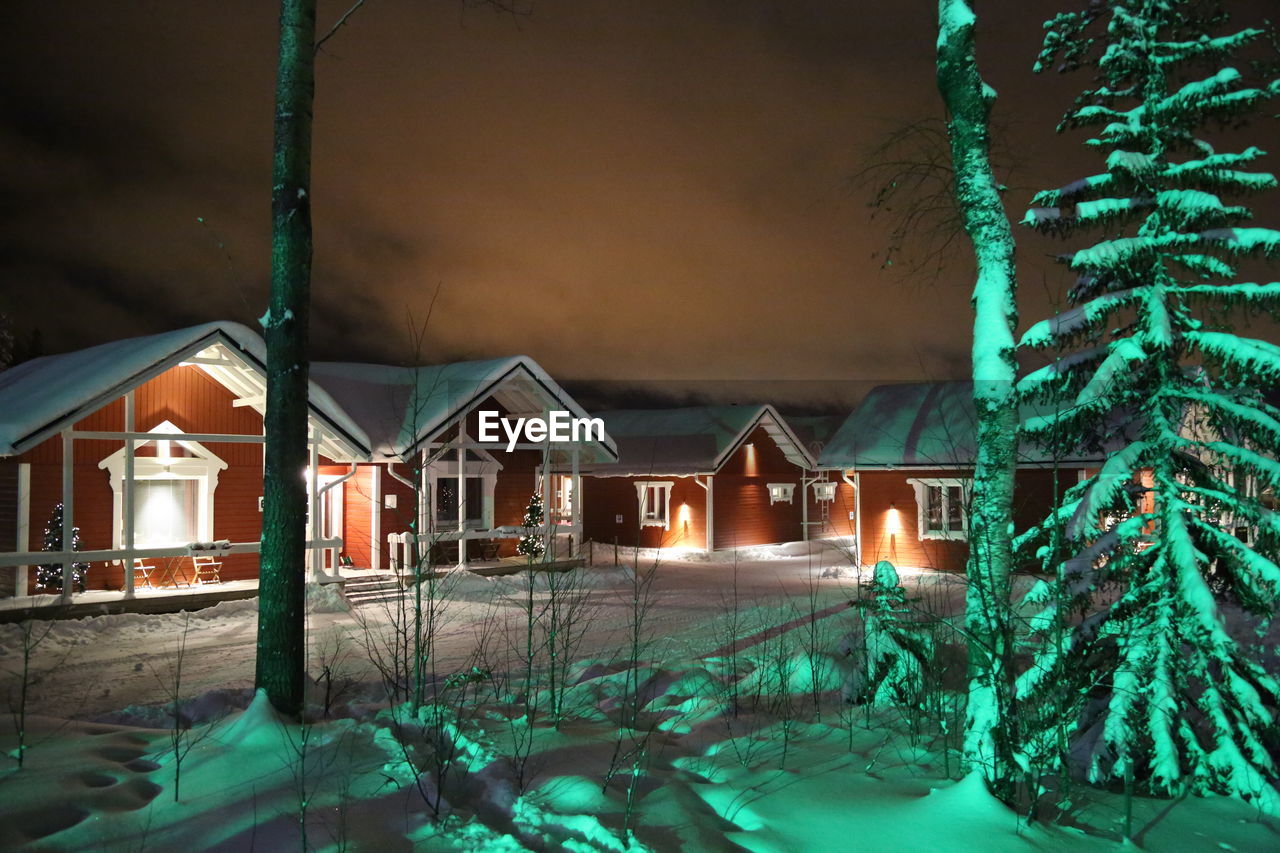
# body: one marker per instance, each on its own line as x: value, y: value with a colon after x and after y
x: 49, y: 575
x: 898, y: 652
x: 1153, y: 681
x: 531, y: 544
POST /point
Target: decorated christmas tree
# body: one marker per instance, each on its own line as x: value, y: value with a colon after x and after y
x: 49, y: 575
x: 531, y: 544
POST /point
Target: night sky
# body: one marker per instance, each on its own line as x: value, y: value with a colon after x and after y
x: 643, y: 191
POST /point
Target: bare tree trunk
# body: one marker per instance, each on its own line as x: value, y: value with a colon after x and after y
x: 990, y: 739
x: 281, y: 652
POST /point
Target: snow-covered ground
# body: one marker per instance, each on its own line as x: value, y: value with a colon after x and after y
x: 719, y: 723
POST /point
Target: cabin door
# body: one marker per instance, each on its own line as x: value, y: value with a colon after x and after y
x: 330, y: 518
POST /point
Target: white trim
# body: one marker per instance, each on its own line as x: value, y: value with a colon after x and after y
x: 485, y: 468
x: 824, y: 490
x: 921, y: 486
x: 642, y: 498
x: 781, y: 493
x: 203, y: 467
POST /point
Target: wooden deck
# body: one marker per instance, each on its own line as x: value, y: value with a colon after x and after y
x: 101, y: 602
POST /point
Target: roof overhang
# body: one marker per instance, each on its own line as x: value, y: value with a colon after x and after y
x: 781, y: 433
x: 522, y: 388
x: 234, y: 365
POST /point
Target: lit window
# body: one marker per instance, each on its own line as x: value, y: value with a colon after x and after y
x: 562, y: 500
x: 824, y: 491
x: 655, y: 503
x: 781, y: 492
x: 174, y: 482
x: 941, y: 508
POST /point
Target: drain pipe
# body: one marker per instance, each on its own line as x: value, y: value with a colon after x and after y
x: 708, y: 525
x: 856, y: 485
x: 319, y: 572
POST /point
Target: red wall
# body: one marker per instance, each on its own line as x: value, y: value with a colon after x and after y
x: 743, y: 514
x: 192, y: 401
x: 606, y: 498
x: 900, y: 544
x: 840, y: 512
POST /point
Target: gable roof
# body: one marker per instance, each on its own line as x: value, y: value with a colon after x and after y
x: 44, y: 395
x: 400, y: 408
x: 919, y: 425
x: 692, y: 440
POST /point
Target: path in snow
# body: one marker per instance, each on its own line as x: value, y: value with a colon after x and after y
x: 90, y: 667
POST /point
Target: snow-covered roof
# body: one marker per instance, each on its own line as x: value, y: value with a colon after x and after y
x: 399, y: 408
x: 41, y: 396
x: 693, y: 440
x: 815, y: 430
x: 916, y: 425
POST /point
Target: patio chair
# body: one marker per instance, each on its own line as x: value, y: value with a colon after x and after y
x: 143, y: 569
x: 208, y: 569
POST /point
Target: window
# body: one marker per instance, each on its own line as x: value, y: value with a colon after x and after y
x: 781, y: 493
x: 166, y: 513
x: 824, y: 491
x: 655, y: 503
x: 940, y: 507
x: 446, y: 501
x: 562, y: 500
x: 174, y: 482
x: 481, y: 472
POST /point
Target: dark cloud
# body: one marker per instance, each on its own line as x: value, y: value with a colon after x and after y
x: 630, y: 191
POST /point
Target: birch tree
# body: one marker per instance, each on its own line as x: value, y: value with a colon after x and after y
x: 990, y: 738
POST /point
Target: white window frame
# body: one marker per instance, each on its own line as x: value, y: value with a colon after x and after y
x: 921, y: 486
x: 203, y: 466
x: 562, y: 497
x: 642, y: 498
x: 824, y: 491
x: 781, y: 493
x: 485, y: 468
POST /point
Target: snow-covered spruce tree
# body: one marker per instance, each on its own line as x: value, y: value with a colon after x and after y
x: 898, y: 652
x: 49, y: 576
x: 990, y: 736
x: 531, y: 544
x: 1158, y: 689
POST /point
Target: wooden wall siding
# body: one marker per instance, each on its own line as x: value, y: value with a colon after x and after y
x: 889, y: 524
x: 743, y: 514
x: 1033, y: 496
x: 840, y: 519
x: 606, y: 498
x: 192, y: 401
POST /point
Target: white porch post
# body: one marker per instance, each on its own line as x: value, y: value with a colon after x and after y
x: 575, y: 499
x: 426, y: 517
x: 313, y: 515
x: 24, y: 525
x: 805, y: 485
x: 375, y: 518
x: 68, y: 511
x: 549, y: 549
x: 462, y: 498
x: 711, y: 513
x: 857, y: 516
x: 129, y: 492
